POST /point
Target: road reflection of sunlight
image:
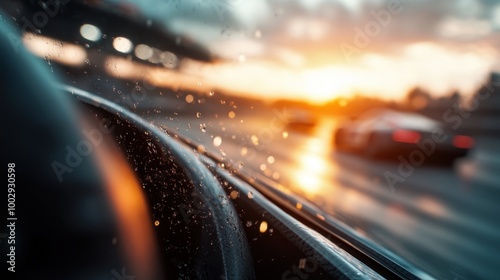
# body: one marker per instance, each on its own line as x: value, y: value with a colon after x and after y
x: 313, y: 161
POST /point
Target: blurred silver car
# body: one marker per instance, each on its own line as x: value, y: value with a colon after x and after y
x: 388, y: 133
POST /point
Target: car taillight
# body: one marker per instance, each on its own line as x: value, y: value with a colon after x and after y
x: 463, y: 142
x: 406, y: 136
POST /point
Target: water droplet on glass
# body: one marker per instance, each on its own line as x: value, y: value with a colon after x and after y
x: 217, y: 141
x: 201, y: 149
x: 298, y: 205
x: 263, y: 227
x: 255, y: 140
x: 270, y: 159
x: 234, y: 194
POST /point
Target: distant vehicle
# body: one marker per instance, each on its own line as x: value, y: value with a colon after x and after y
x: 388, y: 133
x: 301, y: 120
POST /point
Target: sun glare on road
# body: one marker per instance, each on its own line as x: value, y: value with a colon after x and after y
x: 313, y: 162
